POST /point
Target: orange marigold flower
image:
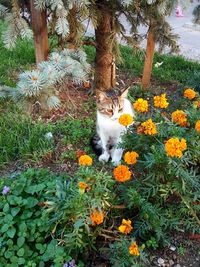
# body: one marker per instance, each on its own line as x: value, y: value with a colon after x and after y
x: 85, y: 160
x: 197, y: 126
x: 160, y: 101
x: 97, y: 217
x: 141, y: 105
x: 83, y: 185
x: 174, y: 147
x: 189, y: 93
x: 126, y: 119
x: 149, y: 127
x: 131, y: 157
x: 122, y: 173
x: 180, y: 117
x: 125, y: 227
x: 134, y: 249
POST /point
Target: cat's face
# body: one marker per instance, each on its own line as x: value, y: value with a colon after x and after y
x: 111, y: 105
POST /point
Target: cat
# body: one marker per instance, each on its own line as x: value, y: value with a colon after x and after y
x: 110, y: 107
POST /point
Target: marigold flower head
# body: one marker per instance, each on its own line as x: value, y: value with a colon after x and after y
x: 131, y: 157
x: 85, y: 160
x: 122, y: 173
x: 149, y: 127
x: 97, y: 217
x: 180, y: 117
x: 125, y: 227
x: 126, y: 119
x: 189, y: 93
x: 160, y: 101
x: 134, y: 249
x: 174, y: 147
x: 197, y: 126
x: 83, y: 185
x: 141, y: 105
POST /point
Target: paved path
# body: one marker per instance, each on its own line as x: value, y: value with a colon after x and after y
x: 189, y: 41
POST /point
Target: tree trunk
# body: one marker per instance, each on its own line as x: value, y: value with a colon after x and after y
x: 104, y: 62
x: 73, y: 27
x: 148, y: 60
x: 40, y: 31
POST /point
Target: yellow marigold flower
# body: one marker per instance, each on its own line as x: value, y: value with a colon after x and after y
x: 122, y: 173
x: 97, y: 217
x: 141, y: 105
x: 125, y: 227
x: 125, y: 119
x: 131, y: 157
x: 189, y: 93
x: 149, y: 127
x: 174, y: 147
x: 83, y: 185
x: 197, y: 126
x: 85, y: 160
x: 134, y: 249
x: 160, y: 101
x: 180, y: 117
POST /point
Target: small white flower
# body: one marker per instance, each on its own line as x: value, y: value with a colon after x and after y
x: 157, y: 65
x: 49, y: 136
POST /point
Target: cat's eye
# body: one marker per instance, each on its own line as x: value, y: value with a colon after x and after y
x: 109, y: 110
x: 120, y: 109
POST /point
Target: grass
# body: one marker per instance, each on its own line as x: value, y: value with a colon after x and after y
x: 12, y: 62
x: 23, y: 139
x: 20, y: 137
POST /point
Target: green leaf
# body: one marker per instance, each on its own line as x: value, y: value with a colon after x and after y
x: 31, y: 202
x: 8, y: 218
x: 6, y: 208
x: 22, y: 227
x: 21, y: 261
x: 15, y: 211
x: 4, y: 228
x: 8, y: 254
x: 20, y: 241
x: 11, y: 232
x: 14, y: 259
x: 20, y: 252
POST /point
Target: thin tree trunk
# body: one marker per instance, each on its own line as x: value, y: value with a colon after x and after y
x: 104, y: 63
x: 72, y: 19
x: 148, y: 60
x: 40, y: 31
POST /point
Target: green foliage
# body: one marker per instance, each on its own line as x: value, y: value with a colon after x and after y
x: 69, y: 208
x: 25, y: 230
x: 174, y: 68
x: 120, y: 257
x: 22, y: 138
x: 15, y: 61
x: 152, y: 243
x: 163, y: 188
x: 194, y: 81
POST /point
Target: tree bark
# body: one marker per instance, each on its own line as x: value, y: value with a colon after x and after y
x: 147, y: 71
x: 40, y: 31
x: 104, y: 62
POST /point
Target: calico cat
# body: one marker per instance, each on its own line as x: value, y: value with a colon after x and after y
x: 110, y: 107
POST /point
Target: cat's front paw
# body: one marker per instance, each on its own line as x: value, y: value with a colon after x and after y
x: 104, y: 157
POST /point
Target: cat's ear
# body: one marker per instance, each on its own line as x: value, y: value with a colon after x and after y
x: 101, y: 96
x: 124, y: 93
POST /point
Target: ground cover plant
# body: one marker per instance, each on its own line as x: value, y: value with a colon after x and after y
x: 116, y: 215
